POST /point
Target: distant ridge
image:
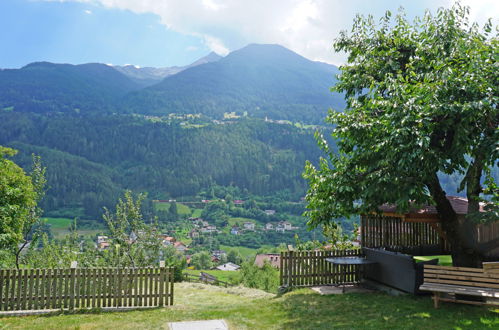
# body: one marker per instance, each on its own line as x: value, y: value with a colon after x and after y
x: 257, y: 80
x: 262, y: 80
x: 50, y: 87
x: 148, y: 76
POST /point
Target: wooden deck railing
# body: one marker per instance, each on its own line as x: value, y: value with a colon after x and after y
x: 76, y: 288
x: 309, y: 268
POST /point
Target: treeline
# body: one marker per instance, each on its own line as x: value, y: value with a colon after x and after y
x: 90, y: 160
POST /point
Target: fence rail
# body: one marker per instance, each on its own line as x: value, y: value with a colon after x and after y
x: 309, y: 268
x: 76, y: 288
x: 395, y: 234
x: 489, y: 232
x: 204, y: 279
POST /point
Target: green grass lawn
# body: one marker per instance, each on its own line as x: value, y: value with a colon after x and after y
x: 196, y: 213
x: 58, y: 223
x: 239, y: 221
x: 59, y: 227
x: 244, y: 308
x: 443, y: 260
x: 245, y: 252
x: 181, y: 208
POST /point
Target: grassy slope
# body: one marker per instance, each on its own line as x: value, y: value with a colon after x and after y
x: 181, y: 208
x: 59, y: 227
x: 245, y: 252
x: 302, y: 309
x: 196, y: 213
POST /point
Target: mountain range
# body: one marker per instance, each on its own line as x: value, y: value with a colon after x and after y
x: 260, y: 80
x: 148, y: 76
x: 101, y: 129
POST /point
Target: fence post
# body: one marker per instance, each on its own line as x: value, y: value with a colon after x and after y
x: 171, y: 281
x: 72, y: 280
x: 281, y: 270
x: 162, y: 279
x: 290, y: 268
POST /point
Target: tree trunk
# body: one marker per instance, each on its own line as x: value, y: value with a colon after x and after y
x: 459, y: 234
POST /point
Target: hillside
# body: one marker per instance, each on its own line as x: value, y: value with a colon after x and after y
x: 259, y: 80
x: 262, y: 80
x: 91, y: 159
x: 47, y: 87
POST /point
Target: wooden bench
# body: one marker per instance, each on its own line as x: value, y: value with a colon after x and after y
x: 455, y: 281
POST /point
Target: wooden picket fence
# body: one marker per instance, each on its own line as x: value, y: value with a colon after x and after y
x: 78, y: 288
x: 310, y: 268
x: 395, y: 234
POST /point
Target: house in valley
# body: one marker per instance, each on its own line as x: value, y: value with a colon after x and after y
x: 180, y: 247
x: 249, y: 225
x: 228, y: 267
x: 269, y: 226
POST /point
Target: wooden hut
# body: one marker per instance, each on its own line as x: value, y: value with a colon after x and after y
x: 419, y: 231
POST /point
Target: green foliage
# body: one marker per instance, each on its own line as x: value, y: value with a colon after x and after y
x: 335, y: 239
x: 264, y: 278
x: 201, y: 260
x: 421, y: 100
x: 134, y: 243
x: 18, y: 197
x: 91, y: 159
x: 234, y: 257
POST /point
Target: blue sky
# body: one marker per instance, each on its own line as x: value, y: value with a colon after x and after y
x: 177, y: 32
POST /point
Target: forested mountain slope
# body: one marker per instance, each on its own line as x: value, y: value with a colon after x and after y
x: 262, y: 80
x: 92, y: 159
x: 47, y: 87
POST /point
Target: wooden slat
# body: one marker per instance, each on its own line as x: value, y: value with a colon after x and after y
x: 36, y: 289
x: 172, y: 280
x: 451, y: 268
x: 470, y: 284
x: 462, y: 273
x: 456, y: 289
x: 490, y: 266
x: 465, y: 279
x: 3, y: 281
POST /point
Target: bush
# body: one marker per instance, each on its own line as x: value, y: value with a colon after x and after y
x: 265, y: 278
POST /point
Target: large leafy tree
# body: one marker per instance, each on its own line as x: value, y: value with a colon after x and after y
x: 422, y: 102
x: 18, y: 199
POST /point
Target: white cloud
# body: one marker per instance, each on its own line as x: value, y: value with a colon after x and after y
x: 308, y: 27
x: 88, y: 12
x: 482, y: 10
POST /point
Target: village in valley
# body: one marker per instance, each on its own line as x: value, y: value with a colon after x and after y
x: 200, y: 227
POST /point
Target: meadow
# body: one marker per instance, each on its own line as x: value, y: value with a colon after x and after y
x: 244, y: 308
x: 60, y: 227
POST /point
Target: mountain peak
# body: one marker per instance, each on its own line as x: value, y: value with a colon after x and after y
x: 211, y: 57
x: 267, y: 53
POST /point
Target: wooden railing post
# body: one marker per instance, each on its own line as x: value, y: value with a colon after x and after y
x: 290, y: 268
x: 162, y: 280
x: 171, y: 281
x: 72, y: 280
